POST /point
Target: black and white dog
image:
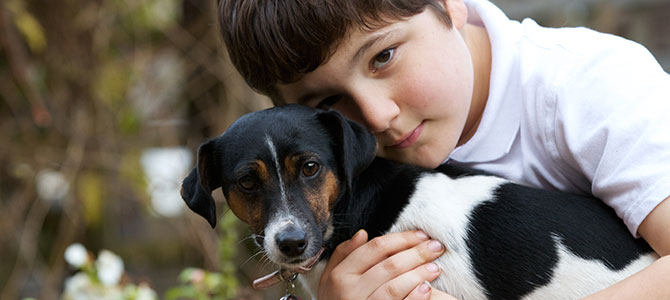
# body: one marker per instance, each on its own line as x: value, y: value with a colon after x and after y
x: 306, y: 180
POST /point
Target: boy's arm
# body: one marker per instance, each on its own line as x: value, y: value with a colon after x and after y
x: 651, y: 282
x: 655, y: 229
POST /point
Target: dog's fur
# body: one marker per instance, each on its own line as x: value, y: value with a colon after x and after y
x: 305, y: 179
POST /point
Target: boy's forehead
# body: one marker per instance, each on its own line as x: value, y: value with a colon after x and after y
x: 347, y: 54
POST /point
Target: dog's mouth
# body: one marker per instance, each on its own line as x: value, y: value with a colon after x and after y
x: 300, y: 263
x: 309, y: 263
x: 284, y: 274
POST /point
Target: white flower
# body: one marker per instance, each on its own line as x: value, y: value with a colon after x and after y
x: 197, y: 276
x: 52, y: 186
x: 77, y: 284
x: 144, y: 292
x: 76, y: 255
x: 80, y: 287
x: 110, y: 268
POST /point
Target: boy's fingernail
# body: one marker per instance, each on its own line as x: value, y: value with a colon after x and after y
x: 432, y: 267
x: 435, y: 246
x: 357, y: 234
x: 422, y: 235
x: 424, y: 287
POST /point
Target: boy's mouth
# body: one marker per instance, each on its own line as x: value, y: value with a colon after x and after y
x: 409, y: 139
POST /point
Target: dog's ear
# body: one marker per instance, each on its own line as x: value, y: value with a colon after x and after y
x: 197, y: 187
x: 355, y: 145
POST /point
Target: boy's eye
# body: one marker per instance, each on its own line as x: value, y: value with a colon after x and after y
x: 382, y: 59
x: 328, y: 102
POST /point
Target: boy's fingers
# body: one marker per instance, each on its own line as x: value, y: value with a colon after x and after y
x: 380, y: 248
x: 344, y: 249
x: 409, y: 285
x: 421, y: 292
x: 346, y: 274
x: 404, y: 261
x: 440, y: 295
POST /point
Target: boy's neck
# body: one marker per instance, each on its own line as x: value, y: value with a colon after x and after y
x: 477, y: 39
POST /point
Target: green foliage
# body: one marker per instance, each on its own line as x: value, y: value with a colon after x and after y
x: 131, y: 171
x: 146, y: 16
x: 198, y: 284
x: 90, y: 190
x: 111, y: 83
x: 128, y: 122
x: 28, y: 26
x: 228, y: 243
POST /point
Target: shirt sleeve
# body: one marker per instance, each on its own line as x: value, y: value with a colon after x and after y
x: 610, y: 122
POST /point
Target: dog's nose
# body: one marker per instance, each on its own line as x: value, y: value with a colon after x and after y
x: 292, y: 241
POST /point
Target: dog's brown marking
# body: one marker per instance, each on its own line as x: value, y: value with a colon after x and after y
x: 331, y: 188
x: 292, y: 165
x: 262, y: 170
x: 237, y: 203
x: 320, y: 197
x: 245, y: 206
x: 248, y: 209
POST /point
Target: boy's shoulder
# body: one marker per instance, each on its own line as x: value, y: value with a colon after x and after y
x: 576, y: 58
x: 579, y: 48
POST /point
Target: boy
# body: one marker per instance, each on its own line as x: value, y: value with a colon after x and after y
x: 448, y: 81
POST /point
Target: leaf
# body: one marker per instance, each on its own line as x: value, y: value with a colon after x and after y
x: 111, y: 83
x: 181, y: 292
x: 28, y: 26
x: 90, y: 190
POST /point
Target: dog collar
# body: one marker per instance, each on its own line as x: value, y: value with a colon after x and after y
x: 284, y: 274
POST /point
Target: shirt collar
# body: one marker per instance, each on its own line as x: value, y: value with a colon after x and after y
x: 501, y: 118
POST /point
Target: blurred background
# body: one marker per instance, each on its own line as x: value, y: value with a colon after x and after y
x: 102, y: 105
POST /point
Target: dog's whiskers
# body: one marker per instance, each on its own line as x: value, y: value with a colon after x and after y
x: 249, y: 237
x: 260, y: 251
x: 266, y: 262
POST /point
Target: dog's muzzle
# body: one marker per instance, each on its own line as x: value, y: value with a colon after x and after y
x: 284, y: 274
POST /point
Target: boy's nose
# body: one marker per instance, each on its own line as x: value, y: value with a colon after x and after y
x: 377, y: 111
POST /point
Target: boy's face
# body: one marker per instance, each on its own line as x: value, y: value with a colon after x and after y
x: 410, y: 83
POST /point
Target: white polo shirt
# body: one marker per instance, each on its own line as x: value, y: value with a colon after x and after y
x: 574, y: 110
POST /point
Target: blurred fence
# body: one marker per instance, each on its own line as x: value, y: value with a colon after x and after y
x: 89, y: 90
x: 94, y: 95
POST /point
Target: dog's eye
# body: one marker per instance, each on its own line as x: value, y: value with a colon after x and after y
x: 247, y: 182
x: 310, y: 168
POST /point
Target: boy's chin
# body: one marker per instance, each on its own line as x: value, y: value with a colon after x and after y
x: 417, y: 160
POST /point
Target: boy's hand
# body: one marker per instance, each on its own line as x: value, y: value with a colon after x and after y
x: 393, y: 266
x: 424, y: 291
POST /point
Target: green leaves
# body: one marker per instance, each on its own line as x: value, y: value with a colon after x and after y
x: 28, y: 26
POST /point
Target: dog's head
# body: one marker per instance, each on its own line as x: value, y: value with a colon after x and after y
x: 282, y: 171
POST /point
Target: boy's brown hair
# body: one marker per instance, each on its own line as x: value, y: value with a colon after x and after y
x: 274, y: 42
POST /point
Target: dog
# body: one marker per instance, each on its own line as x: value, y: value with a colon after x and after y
x: 305, y: 180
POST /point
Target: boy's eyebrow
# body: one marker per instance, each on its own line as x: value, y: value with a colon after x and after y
x: 375, y: 38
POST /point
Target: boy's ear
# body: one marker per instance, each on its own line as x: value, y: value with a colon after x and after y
x: 197, y: 187
x: 355, y: 146
x: 458, y: 13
